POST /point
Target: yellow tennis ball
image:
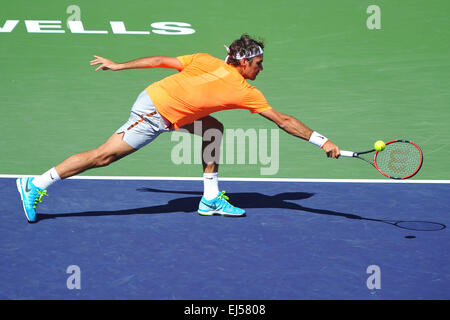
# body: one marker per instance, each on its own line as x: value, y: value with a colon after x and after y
x: 379, y: 145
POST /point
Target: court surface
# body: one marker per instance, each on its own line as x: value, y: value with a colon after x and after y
x: 142, y: 239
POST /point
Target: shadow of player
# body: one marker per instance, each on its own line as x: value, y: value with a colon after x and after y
x: 244, y: 200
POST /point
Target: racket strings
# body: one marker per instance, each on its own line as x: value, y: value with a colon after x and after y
x: 399, y: 159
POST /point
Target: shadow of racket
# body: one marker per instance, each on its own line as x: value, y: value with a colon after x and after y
x: 259, y: 200
x: 413, y: 225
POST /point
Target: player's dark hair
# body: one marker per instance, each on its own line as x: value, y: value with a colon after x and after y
x: 245, y: 45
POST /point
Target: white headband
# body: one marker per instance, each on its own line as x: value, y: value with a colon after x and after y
x: 247, y: 54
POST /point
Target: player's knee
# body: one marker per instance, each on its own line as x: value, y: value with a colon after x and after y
x: 103, y: 162
x: 219, y: 126
x: 102, y: 159
x: 211, y: 123
x: 213, y: 131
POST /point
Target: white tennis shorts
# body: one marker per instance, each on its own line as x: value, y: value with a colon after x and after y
x: 145, y: 123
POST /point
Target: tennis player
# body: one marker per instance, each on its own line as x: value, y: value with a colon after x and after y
x: 203, y: 85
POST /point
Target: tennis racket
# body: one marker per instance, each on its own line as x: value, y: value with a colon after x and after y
x: 401, y: 159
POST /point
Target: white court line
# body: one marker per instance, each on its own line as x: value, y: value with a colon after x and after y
x: 239, y: 179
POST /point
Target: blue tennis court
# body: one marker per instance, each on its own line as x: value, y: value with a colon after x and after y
x: 142, y: 239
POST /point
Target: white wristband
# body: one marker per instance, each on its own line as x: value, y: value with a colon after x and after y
x: 318, y: 139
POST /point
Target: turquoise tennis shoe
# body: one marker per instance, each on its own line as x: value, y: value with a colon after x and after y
x: 31, y: 196
x: 219, y: 206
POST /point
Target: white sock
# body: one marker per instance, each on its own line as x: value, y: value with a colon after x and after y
x: 210, y: 185
x: 47, y: 179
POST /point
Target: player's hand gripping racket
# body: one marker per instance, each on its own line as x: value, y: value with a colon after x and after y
x: 401, y: 159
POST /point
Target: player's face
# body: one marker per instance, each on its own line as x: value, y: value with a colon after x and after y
x: 255, y: 67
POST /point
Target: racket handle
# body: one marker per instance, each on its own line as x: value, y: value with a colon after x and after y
x: 347, y: 153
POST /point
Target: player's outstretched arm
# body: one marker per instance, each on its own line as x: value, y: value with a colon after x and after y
x: 141, y: 63
x: 296, y: 128
x: 288, y: 124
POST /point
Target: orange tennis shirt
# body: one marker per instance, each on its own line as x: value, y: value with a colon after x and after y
x: 204, y: 85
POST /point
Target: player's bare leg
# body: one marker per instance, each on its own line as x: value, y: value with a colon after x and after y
x: 213, y: 202
x: 210, y: 149
x: 32, y: 190
x: 112, y: 150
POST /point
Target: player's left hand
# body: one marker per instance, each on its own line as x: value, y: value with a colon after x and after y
x: 331, y: 150
x: 105, y: 64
